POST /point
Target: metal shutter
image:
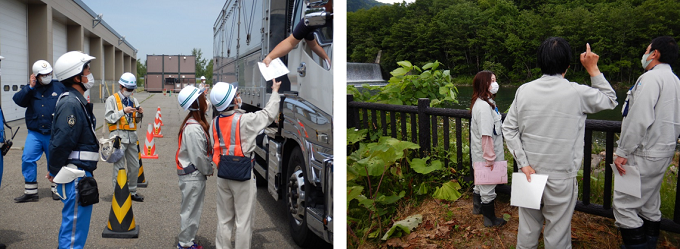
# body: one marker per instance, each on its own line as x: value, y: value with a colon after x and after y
x: 58, y: 40
x: 14, y: 47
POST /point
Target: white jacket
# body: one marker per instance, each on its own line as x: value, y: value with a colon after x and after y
x: 652, y: 125
x: 545, y: 125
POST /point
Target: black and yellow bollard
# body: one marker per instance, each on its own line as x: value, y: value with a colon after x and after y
x: 141, y: 180
x: 121, y: 219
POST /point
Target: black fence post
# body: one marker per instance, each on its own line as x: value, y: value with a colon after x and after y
x: 424, y: 125
x: 350, y: 112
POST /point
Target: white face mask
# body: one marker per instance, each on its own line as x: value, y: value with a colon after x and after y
x: 493, y: 88
x: 46, y: 80
x: 644, y: 60
x: 239, y: 102
x: 90, y: 82
x: 126, y: 93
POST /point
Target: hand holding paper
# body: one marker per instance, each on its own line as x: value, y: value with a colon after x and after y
x: 275, y: 69
x: 628, y: 183
x: 527, y: 194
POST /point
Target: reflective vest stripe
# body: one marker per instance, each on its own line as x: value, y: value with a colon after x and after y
x: 84, y: 155
x: 230, y: 129
x: 122, y: 123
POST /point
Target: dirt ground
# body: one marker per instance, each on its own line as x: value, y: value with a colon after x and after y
x: 452, y: 225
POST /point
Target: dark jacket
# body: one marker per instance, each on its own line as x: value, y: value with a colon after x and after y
x: 73, y: 131
x: 39, y: 103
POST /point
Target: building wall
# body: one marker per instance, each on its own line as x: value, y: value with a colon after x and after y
x: 171, y: 72
x: 55, y: 27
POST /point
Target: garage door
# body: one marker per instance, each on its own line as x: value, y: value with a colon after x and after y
x: 14, y: 47
x: 58, y: 40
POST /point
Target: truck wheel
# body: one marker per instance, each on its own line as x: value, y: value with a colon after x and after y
x: 296, y: 187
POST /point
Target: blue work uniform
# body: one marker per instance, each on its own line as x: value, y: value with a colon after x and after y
x: 39, y: 102
x: 73, y: 142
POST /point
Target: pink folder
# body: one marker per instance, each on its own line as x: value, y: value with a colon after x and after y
x: 498, y: 174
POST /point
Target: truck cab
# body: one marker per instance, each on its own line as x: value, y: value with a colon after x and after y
x: 294, y: 155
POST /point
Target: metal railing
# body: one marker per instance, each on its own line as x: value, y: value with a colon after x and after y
x: 424, y: 129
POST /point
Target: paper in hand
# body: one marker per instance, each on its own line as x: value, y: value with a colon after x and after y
x: 629, y: 183
x: 276, y: 68
x: 527, y: 194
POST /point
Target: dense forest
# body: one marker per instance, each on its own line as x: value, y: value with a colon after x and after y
x: 467, y: 36
x: 354, y: 5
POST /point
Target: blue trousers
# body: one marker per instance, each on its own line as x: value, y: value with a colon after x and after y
x: 1, y: 169
x: 36, y: 144
x: 75, y: 219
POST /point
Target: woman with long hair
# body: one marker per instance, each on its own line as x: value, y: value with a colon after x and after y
x: 486, y: 142
x: 193, y: 163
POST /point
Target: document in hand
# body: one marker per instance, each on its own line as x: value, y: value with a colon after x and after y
x: 497, y: 174
x: 276, y: 68
x: 629, y: 183
x: 527, y: 194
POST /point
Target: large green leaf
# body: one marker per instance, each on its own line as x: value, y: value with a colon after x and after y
x: 448, y: 191
x: 353, y: 193
x: 354, y: 135
x: 403, y: 227
x: 421, y: 166
x: 384, y: 199
x: 404, y: 64
x: 399, y: 71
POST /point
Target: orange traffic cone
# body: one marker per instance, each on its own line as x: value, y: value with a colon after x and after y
x: 121, y: 219
x: 158, y: 116
x: 149, y: 145
x: 157, y: 129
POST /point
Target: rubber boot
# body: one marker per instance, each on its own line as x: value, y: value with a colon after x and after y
x: 476, y: 204
x: 633, y: 238
x: 651, y: 232
x: 489, y: 212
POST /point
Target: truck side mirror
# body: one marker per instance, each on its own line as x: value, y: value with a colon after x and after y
x: 316, y: 3
x: 317, y: 17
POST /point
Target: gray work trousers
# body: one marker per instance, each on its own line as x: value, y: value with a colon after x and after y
x: 487, y: 191
x: 627, y: 208
x: 132, y: 159
x: 235, y: 210
x: 559, y: 200
x: 192, y: 187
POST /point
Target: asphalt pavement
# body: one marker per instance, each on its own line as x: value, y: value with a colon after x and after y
x: 36, y: 224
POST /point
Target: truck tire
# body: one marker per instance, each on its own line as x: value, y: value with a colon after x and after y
x: 295, y: 203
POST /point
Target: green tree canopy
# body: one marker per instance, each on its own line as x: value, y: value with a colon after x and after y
x: 467, y: 36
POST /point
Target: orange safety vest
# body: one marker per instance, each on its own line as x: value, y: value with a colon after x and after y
x: 231, y: 134
x: 191, y: 168
x: 122, y: 124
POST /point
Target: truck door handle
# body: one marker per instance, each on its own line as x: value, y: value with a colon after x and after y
x: 302, y: 69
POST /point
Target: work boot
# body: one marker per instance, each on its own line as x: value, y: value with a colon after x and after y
x: 55, y: 196
x: 633, y: 238
x: 26, y: 198
x: 476, y: 203
x: 489, y: 212
x: 651, y: 232
x: 137, y: 197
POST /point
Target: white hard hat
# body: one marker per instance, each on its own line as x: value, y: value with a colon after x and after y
x: 1, y: 57
x: 128, y: 80
x: 71, y: 64
x: 41, y: 67
x: 187, y: 96
x: 222, y: 95
x: 202, y: 77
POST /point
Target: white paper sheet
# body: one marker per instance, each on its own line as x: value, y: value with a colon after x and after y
x: 276, y: 68
x: 527, y: 194
x: 629, y: 183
